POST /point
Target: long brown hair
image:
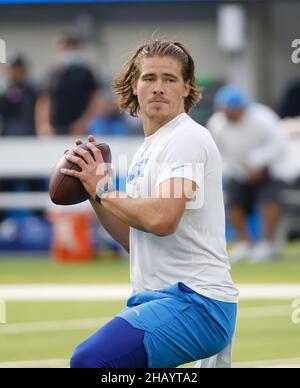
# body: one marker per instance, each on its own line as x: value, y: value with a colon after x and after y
x: 161, y: 48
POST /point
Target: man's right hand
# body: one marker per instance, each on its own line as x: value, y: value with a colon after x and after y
x: 91, y: 139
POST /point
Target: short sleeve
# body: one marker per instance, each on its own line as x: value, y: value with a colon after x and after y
x: 183, y: 157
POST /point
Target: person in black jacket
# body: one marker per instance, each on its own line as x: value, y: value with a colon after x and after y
x: 70, y: 98
x: 17, y: 104
x: 290, y: 106
x: 17, y: 99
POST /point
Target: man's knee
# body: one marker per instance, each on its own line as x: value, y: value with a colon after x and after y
x: 83, y: 359
x: 78, y: 359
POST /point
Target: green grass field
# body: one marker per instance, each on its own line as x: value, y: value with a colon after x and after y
x: 48, y: 330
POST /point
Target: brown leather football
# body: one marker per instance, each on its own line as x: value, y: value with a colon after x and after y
x: 67, y: 190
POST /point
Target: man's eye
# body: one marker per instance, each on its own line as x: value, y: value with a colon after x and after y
x: 170, y: 80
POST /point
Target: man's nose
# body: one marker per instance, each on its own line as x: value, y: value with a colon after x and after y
x: 158, y: 87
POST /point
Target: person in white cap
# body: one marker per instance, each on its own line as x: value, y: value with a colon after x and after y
x: 250, y: 142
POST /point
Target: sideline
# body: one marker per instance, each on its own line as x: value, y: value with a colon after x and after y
x: 75, y: 292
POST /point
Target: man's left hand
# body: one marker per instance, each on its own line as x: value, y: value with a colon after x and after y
x: 93, y: 169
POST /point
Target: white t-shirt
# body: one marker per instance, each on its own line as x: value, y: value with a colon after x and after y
x: 196, y: 253
x: 256, y: 141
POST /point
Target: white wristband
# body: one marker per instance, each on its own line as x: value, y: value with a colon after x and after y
x: 102, y: 189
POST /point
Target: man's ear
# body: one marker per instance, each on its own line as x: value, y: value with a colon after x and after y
x: 134, y: 86
x: 187, y: 89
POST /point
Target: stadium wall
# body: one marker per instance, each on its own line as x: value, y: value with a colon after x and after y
x: 263, y: 70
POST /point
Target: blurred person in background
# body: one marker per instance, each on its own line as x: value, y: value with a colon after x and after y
x: 17, y: 102
x: 248, y: 137
x: 290, y: 111
x: 290, y: 106
x: 110, y: 122
x: 17, y: 99
x: 204, y: 109
x: 71, y: 96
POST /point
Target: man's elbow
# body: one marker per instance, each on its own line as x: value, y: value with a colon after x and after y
x: 164, y: 227
x: 125, y: 244
x: 126, y: 247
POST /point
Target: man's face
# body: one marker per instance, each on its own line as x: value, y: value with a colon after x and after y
x: 234, y: 115
x: 16, y: 73
x: 160, y: 88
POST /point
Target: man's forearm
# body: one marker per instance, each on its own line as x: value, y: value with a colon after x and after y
x: 140, y: 213
x: 159, y: 215
x: 118, y: 230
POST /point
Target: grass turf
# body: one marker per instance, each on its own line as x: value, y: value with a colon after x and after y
x: 265, y: 330
x: 283, y: 270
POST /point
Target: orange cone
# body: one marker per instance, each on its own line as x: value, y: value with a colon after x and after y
x: 71, y: 240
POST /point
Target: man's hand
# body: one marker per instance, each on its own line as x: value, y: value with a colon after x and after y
x: 92, y: 171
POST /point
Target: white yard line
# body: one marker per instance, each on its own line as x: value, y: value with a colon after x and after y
x: 288, y: 363
x: 68, y: 292
x: 77, y: 292
x: 36, y: 364
x: 95, y: 323
x: 47, y: 326
x: 269, y: 291
x: 261, y: 312
x: 284, y: 363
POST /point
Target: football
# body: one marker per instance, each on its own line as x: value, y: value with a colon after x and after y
x: 67, y: 190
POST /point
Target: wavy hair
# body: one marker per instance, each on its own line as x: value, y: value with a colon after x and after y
x: 131, y: 71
